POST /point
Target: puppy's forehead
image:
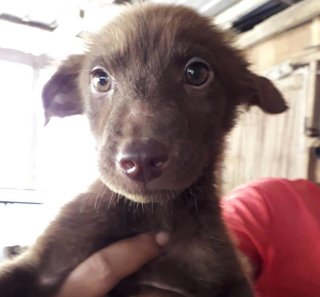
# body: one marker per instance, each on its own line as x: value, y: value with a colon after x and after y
x: 156, y: 31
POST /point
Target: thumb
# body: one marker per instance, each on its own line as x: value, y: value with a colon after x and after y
x: 98, y: 274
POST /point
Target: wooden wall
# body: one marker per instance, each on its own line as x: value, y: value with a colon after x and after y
x: 270, y: 145
x: 278, y: 145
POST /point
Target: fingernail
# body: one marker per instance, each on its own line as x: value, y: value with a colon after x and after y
x: 162, y: 238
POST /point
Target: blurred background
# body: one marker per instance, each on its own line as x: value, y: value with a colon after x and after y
x: 281, y: 38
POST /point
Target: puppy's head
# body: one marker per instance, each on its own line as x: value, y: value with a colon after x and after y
x: 161, y: 88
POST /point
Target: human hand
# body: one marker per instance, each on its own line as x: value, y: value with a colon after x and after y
x: 98, y: 274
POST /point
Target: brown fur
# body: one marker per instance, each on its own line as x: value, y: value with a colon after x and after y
x: 145, y: 51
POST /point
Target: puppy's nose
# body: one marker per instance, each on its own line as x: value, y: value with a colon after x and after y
x: 142, y: 161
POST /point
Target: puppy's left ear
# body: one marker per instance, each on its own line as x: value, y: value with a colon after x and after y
x: 265, y: 95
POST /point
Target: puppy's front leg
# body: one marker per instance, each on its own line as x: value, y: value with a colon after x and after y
x: 81, y: 229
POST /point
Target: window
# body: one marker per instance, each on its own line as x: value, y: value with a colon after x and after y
x: 17, y: 126
x: 38, y: 162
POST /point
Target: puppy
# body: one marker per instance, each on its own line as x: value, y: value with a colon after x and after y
x: 161, y: 88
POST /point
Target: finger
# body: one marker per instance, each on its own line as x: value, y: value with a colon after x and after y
x: 103, y: 270
x: 129, y: 255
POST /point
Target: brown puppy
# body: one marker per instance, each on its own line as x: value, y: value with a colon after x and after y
x: 161, y: 87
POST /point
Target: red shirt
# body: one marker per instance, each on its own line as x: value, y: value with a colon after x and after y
x: 276, y: 223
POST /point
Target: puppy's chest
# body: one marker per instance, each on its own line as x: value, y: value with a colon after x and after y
x: 192, y: 253
x: 189, y: 259
x: 185, y: 266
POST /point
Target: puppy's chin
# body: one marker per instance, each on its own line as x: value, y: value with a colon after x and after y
x: 144, y: 195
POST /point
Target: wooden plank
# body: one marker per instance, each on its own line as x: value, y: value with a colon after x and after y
x: 313, y: 112
x: 314, y: 164
x: 305, y: 57
x: 286, y: 45
x: 16, y: 56
x: 315, y: 31
x: 293, y: 16
x: 215, y: 7
x: 236, y: 11
x: 313, y: 122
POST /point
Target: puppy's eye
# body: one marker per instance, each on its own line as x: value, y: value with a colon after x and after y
x: 100, y: 80
x: 197, y: 73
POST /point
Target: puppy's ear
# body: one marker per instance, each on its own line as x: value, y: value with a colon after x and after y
x: 265, y: 95
x: 61, y: 95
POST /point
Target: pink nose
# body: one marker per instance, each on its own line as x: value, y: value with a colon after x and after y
x: 142, y: 161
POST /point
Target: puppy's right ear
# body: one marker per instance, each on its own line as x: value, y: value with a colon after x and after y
x: 266, y: 95
x: 61, y: 94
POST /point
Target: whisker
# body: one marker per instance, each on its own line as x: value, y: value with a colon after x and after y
x: 111, y: 199
x: 83, y: 204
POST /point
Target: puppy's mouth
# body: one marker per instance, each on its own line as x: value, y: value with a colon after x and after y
x: 162, y: 189
x: 142, y: 193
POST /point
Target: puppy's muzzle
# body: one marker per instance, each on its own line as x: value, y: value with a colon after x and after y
x: 142, y: 161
